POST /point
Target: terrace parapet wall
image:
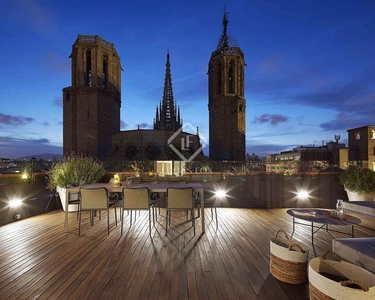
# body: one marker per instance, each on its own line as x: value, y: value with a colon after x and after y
x: 253, y: 190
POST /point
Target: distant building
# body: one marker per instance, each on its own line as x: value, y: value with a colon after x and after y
x: 361, y: 144
x: 329, y: 153
x: 254, y: 163
x: 226, y: 101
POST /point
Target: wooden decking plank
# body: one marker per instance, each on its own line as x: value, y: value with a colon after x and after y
x: 245, y: 254
x: 168, y: 261
x: 39, y: 259
x: 38, y: 273
x: 233, y: 266
x: 214, y: 272
x: 78, y: 260
x: 239, y: 261
x: 52, y: 282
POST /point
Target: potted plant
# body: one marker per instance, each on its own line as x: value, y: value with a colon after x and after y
x: 359, y: 183
x: 73, y: 169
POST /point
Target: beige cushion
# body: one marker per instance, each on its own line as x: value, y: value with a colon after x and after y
x: 359, y: 251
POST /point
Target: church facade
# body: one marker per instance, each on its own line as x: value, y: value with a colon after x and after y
x: 91, y: 108
x: 91, y: 112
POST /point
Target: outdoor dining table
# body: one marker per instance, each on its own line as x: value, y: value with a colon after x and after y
x: 153, y: 187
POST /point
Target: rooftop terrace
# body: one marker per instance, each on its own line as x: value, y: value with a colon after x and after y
x: 38, y: 259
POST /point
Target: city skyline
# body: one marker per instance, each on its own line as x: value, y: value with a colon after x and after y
x: 309, y: 73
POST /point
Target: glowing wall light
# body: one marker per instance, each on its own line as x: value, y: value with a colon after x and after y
x: 220, y: 193
x: 15, y: 203
x: 302, y: 194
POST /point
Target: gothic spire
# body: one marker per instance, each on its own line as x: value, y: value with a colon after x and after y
x: 225, y: 25
x: 168, y: 118
x: 226, y: 40
x: 168, y: 91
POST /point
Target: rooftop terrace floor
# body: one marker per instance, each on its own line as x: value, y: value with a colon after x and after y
x: 40, y: 260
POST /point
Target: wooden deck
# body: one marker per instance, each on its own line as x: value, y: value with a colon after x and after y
x: 39, y: 260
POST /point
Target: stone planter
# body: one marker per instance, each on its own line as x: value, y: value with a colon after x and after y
x: 352, y: 196
x: 62, y: 194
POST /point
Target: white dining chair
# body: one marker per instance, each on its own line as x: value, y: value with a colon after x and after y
x: 93, y: 200
x: 73, y: 197
x: 179, y: 199
x: 137, y: 199
x: 154, y: 197
x: 196, y: 195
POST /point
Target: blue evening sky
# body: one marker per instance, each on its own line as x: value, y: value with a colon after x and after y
x: 310, y: 70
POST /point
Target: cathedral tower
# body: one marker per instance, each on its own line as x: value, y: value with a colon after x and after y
x: 226, y: 102
x: 167, y: 116
x: 91, y: 105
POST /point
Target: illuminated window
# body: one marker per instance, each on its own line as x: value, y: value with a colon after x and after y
x: 373, y: 134
x: 357, y: 136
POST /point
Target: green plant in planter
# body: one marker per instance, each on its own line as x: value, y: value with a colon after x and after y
x: 76, y: 169
x: 359, y: 180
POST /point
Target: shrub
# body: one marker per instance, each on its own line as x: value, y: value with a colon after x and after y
x: 75, y: 168
x: 358, y: 179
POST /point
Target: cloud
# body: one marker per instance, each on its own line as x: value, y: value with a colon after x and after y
x: 345, y: 121
x: 56, y: 63
x: 262, y: 150
x: 368, y: 99
x: 58, y: 102
x: 7, y: 139
x: 356, y: 94
x: 35, y: 15
x: 145, y: 125
x: 123, y: 125
x: 15, y: 120
x: 273, y: 119
x: 270, y: 65
x: 16, y: 147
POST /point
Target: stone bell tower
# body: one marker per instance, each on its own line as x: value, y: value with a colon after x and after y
x: 91, y: 105
x: 226, y: 102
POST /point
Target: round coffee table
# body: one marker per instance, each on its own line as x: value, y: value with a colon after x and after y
x: 322, y: 217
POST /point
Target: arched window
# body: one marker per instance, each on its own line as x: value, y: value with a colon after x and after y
x: 219, y: 80
x: 88, y: 68
x: 230, y: 79
x: 105, y: 70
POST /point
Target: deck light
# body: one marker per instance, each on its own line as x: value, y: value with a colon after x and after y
x: 15, y: 203
x: 303, y: 194
x: 220, y: 193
